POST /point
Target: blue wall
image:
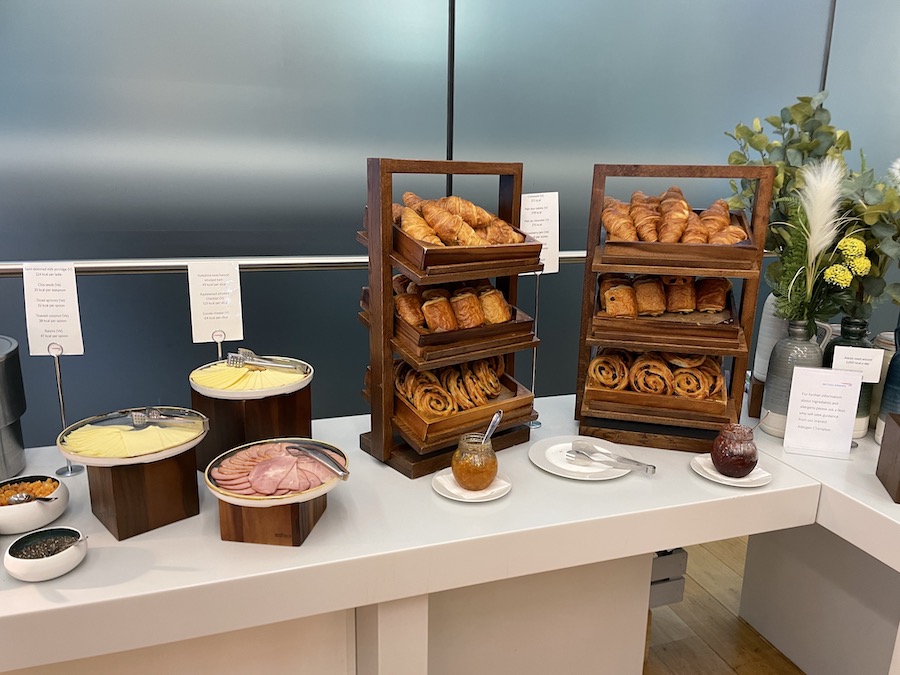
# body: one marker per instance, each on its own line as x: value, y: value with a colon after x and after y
x: 202, y: 128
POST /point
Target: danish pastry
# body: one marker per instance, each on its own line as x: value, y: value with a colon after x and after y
x: 494, y: 307
x: 409, y: 309
x: 607, y: 281
x: 439, y: 315
x: 681, y: 298
x: 621, y: 302
x: 650, y: 374
x: 690, y: 383
x: 467, y: 310
x: 650, y: 297
x: 609, y: 369
x: 712, y: 293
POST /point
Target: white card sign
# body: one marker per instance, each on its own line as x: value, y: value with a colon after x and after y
x: 215, y: 291
x: 821, y: 412
x: 52, y: 316
x: 865, y: 360
x: 540, y: 220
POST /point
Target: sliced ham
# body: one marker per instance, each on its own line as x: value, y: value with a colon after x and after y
x: 266, y: 475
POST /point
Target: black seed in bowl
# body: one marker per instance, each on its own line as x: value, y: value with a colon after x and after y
x: 50, y: 543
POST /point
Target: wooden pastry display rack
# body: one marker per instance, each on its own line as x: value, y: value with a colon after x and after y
x: 670, y: 421
x: 411, y: 444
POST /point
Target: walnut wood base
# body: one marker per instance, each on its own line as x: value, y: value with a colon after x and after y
x: 888, y: 469
x: 287, y: 525
x: 754, y: 403
x: 132, y: 499
x: 651, y: 435
x: 413, y: 465
x: 233, y: 423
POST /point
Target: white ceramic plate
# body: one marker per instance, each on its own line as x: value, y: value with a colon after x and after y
x: 703, y: 466
x: 500, y: 487
x: 261, y: 501
x: 252, y: 394
x: 549, y: 454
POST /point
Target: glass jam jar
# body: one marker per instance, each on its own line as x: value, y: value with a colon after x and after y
x: 474, y: 464
x: 734, y: 453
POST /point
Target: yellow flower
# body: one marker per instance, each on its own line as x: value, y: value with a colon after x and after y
x: 860, y: 265
x: 851, y: 247
x: 838, y: 275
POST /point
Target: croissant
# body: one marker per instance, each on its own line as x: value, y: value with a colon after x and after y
x: 396, y: 211
x: 729, y: 235
x: 413, y: 201
x: 473, y: 214
x: 649, y: 374
x: 716, y: 217
x: 609, y: 370
x: 452, y: 229
x: 694, y: 233
x: 690, y: 383
x: 417, y: 228
x: 674, y: 212
x: 498, y: 231
x: 617, y: 221
x: 646, y: 220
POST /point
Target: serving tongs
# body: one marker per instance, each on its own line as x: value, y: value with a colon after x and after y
x: 245, y: 357
x: 143, y: 418
x: 584, y: 451
x: 322, y: 457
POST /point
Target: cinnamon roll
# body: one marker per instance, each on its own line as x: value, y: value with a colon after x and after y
x: 609, y: 369
x: 649, y: 374
x: 690, y: 383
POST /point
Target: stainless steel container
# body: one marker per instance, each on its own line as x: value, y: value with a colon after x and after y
x: 12, y: 407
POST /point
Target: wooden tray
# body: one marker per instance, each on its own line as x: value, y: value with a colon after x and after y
x: 520, y: 324
x: 515, y: 400
x: 654, y: 404
x: 425, y: 256
x: 743, y: 255
x: 719, y: 332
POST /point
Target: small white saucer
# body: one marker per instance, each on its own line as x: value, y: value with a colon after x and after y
x: 445, y: 485
x: 703, y: 466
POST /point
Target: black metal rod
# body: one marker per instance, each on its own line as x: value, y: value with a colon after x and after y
x: 823, y: 82
x: 451, y: 72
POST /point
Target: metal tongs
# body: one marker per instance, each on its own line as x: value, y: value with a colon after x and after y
x: 582, y: 451
x: 322, y: 457
x: 246, y: 357
x: 142, y: 418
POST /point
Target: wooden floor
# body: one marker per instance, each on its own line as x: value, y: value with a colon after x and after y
x: 703, y: 634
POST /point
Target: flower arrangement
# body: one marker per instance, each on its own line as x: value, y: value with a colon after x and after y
x: 823, y: 251
x: 803, y: 135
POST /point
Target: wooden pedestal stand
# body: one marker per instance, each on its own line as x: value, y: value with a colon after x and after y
x: 660, y: 421
x: 390, y: 441
x: 287, y: 525
x: 136, y: 498
x: 235, y: 422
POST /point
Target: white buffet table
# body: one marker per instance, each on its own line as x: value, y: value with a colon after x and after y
x: 828, y: 595
x: 394, y: 578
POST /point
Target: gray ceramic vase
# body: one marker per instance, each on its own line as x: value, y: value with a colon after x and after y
x: 789, y: 352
